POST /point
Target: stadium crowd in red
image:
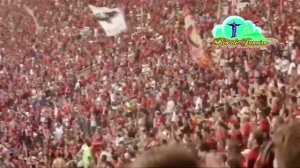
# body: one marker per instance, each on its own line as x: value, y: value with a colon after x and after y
x: 61, y: 89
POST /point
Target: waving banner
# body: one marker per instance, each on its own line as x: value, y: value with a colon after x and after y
x: 196, y: 49
x: 112, y: 20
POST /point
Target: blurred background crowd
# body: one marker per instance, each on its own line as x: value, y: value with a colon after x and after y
x: 70, y: 96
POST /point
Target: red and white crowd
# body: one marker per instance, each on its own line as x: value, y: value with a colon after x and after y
x: 61, y: 89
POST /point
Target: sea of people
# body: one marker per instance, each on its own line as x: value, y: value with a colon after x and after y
x: 72, y: 97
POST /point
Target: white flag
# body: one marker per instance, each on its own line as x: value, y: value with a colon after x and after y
x: 111, y: 20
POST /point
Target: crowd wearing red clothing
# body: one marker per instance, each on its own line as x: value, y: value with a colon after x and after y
x: 60, y: 89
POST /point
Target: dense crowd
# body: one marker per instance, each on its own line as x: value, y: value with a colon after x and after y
x: 84, y: 99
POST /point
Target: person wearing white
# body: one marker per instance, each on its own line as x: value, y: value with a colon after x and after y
x: 170, y: 106
x: 58, y: 133
x: 277, y: 64
x: 291, y: 67
x: 245, y: 110
x: 108, y: 155
x: 77, y: 85
x: 293, y: 54
x: 198, y: 104
x: 284, y: 65
x: 229, y: 77
x: 118, y: 140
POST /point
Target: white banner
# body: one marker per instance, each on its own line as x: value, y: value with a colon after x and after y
x: 111, y: 20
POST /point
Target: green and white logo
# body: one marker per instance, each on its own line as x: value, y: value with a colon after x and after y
x: 235, y: 31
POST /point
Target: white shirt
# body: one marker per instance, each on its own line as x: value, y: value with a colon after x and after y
x: 108, y: 155
x: 59, y: 133
x: 223, y: 62
x: 66, y: 121
x: 291, y: 66
x: 246, y: 66
x: 277, y: 64
x: 112, y: 97
x: 118, y: 140
x: 229, y: 78
x: 93, y: 120
x: 284, y: 65
x: 174, y: 117
x: 245, y: 110
x: 77, y: 85
x: 293, y: 55
x: 170, y: 106
x: 198, y: 103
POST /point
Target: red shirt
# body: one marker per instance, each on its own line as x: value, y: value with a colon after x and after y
x: 264, y: 126
x: 252, y: 156
x: 96, y: 145
x: 237, y: 135
x: 177, y: 96
x: 221, y: 135
x: 120, y: 121
x: 146, y: 102
x: 159, y: 121
x: 246, y: 130
x: 67, y: 108
x: 212, y: 143
x: 244, y: 162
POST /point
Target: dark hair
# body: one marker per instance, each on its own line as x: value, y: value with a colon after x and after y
x: 88, y: 142
x: 264, y: 112
x: 205, y: 147
x: 164, y: 142
x: 135, y: 147
x: 207, y: 130
x: 103, y: 158
x: 294, y: 99
x: 286, y: 112
x: 273, y: 93
x: 294, y: 45
x: 259, y: 137
x: 236, y: 126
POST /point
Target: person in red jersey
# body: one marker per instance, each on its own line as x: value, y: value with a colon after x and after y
x: 255, y: 141
x: 263, y: 122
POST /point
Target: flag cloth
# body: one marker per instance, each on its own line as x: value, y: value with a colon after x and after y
x: 31, y: 13
x: 196, y: 49
x: 112, y: 20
